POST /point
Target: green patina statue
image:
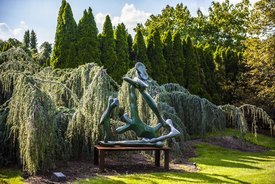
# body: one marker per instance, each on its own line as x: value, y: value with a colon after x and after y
x: 134, y: 123
x: 105, y: 118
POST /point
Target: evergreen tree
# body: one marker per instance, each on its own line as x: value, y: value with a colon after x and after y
x: 108, y: 54
x: 231, y: 65
x: 218, y: 57
x: 140, y: 52
x: 168, y: 55
x: 64, y: 51
x: 178, y: 60
x: 209, y: 69
x: 122, y: 65
x: 204, y: 72
x: 88, y: 44
x: 155, y: 56
x: 44, y: 55
x: 191, y: 69
x: 26, y: 41
x: 33, y: 42
x: 231, y: 68
x: 150, y: 53
x: 130, y: 50
x: 227, y: 64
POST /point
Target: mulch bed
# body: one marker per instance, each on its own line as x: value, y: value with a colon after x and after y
x: 235, y: 143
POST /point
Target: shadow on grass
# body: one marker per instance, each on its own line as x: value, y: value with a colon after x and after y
x: 10, y: 176
x: 209, y: 156
x: 181, y: 178
x: 100, y: 180
x: 165, y: 178
x: 216, y: 165
x: 257, y: 159
x: 8, y: 173
x: 217, y: 156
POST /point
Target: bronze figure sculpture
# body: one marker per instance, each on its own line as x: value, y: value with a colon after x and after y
x: 105, y: 118
x: 147, y: 133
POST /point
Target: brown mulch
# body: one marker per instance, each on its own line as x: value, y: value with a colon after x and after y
x: 138, y: 163
x: 235, y: 143
x: 115, y: 165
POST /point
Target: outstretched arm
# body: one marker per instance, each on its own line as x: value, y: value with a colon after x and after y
x: 173, y: 133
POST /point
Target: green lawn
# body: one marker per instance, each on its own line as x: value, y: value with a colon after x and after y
x: 10, y: 176
x: 216, y: 164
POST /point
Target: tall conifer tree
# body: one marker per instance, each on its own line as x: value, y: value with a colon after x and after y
x: 108, y: 54
x: 130, y: 50
x: 155, y: 56
x: 140, y: 52
x: 218, y: 57
x: 204, y: 72
x: 209, y: 69
x: 88, y: 44
x: 191, y: 69
x: 33, y: 42
x: 64, y: 51
x: 168, y: 54
x: 178, y: 60
x: 26, y: 40
x: 46, y: 50
x: 122, y: 65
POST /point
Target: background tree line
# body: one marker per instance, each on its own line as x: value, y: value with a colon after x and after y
x: 30, y: 46
x: 170, y: 50
x: 226, y: 56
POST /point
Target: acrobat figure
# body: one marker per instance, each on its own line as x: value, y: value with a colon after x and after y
x: 105, y: 118
x: 148, y: 133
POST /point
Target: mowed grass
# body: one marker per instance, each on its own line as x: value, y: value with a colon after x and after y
x: 216, y: 165
x: 10, y: 176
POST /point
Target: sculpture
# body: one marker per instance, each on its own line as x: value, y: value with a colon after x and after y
x: 134, y: 123
x: 105, y: 118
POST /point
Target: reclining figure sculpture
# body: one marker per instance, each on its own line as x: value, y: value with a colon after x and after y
x: 147, y: 133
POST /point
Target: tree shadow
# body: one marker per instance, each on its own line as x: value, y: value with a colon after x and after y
x: 194, y: 178
x: 208, y: 156
x: 100, y: 180
x: 9, y: 174
x: 232, y: 163
x: 231, y: 159
x: 254, y: 159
